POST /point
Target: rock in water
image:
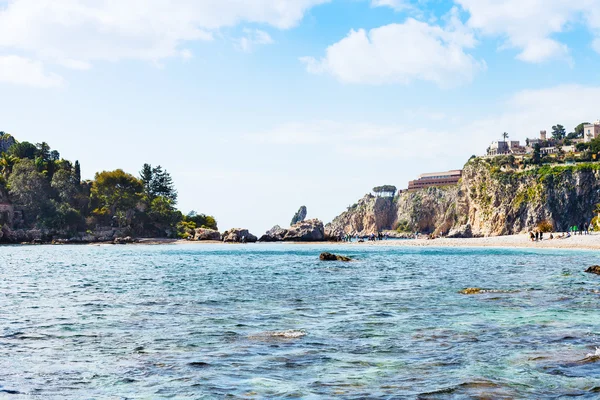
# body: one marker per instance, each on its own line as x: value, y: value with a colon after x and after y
x: 595, y: 269
x: 311, y: 230
x: 275, y: 234
x: 299, y: 216
x: 333, y: 257
x: 206, y: 234
x: 237, y: 235
x: 471, y: 291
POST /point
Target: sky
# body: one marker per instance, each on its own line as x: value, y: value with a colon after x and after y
x: 257, y: 107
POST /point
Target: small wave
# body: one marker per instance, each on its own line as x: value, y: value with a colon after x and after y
x: 289, y: 334
x: 595, y: 355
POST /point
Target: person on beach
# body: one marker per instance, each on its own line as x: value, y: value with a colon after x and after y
x: 551, y: 236
x: 541, y: 235
x: 531, y: 236
x: 537, y: 236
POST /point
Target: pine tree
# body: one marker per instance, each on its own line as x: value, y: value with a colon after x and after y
x: 77, y: 173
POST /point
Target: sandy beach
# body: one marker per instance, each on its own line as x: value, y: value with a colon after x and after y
x: 582, y: 242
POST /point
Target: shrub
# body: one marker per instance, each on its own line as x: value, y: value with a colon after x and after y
x: 545, y: 226
x: 403, y: 227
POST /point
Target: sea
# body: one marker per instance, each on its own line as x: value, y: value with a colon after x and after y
x: 272, y: 321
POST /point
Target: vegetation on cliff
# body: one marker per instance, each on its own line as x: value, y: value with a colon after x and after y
x: 47, y: 192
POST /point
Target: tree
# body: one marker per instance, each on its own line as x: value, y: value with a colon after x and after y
x: 77, y: 172
x: 526, y: 141
x: 536, y: 154
x: 558, y: 132
x: 6, y: 164
x: 201, y: 220
x: 116, y: 193
x: 158, y: 182
x: 65, y: 186
x: 385, y: 191
x: 23, y: 150
x: 43, y: 151
x: 505, y: 136
x: 29, y: 190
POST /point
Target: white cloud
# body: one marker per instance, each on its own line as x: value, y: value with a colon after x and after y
x: 253, y: 38
x: 528, y: 25
x: 401, y: 53
x: 397, y: 5
x: 75, y: 33
x: 22, y: 71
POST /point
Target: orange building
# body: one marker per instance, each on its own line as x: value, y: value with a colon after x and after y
x: 435, y: 179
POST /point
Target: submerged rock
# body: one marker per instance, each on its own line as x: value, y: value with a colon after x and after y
x: 471, y: 291
x: 481, y: 291
x: 333, y: 257
x: 594, y: 269
x: 311, y: 230
x: 238, y: 235
x: 206, y: 234
x: 289, y: 334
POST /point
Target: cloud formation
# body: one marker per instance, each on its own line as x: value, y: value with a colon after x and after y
x: 23, y: 71
x: 402, y: 53
x: 529, y: 25
x: 75, y: 33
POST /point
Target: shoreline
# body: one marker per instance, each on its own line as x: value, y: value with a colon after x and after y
x: 519, y: 241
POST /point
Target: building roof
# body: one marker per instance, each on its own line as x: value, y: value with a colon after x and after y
x: 456, y: 172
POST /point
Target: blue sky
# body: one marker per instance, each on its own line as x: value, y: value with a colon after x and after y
x: 258, y: 107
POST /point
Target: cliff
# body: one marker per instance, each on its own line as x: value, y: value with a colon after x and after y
x: 491, y: 199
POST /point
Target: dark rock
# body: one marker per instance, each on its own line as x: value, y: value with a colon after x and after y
x: 299, y: 216
x: 333, y: 257
x: 311, y: 230
x: 595, y: 269
x: 238, y: 235
x: 275, y: 234
x: 202, y: 234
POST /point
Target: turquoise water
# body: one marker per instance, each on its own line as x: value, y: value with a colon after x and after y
x: 196, y: 321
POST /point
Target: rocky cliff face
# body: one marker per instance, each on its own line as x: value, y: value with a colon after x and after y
x: 489, y: 201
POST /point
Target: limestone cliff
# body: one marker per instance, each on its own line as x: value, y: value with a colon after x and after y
x: 490, y: 199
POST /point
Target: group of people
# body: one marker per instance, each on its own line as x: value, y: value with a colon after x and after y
x: 371, y: 238
x: 585, y: 229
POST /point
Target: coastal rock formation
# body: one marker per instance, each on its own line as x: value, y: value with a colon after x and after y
x: 491, y: 199
x: 595, y: 269
x: 299, y: 216
x: 238, y: 235
x: 202, y: 234
x: 333, y: 257
x: 311, y: 230
x: 370, y: 215
x: 275, y: 234
x: 463, y: 231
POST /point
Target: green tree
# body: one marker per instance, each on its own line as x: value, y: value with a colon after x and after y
x: 558, y: 132
x: 65, y: 186
x: 505, y: 136
x: 6, y: 164
x: 536, y: 154
x: 158, y: 183
x: 23, y: 150
x: 77, y: 172
x: 29, y: 190
x: 116, y: 193
x: 201, y: 220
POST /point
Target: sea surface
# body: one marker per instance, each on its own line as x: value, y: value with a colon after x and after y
x: 272, y: 321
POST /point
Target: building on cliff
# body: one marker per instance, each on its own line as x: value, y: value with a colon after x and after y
x: 505, y: 147
x: 435, y: 179
x: 591, y: 131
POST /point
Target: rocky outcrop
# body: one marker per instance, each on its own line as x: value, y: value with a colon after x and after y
x: 333, y: 257
x: 6, y: 141
x: 238, y: 235
x: 595, y: 269
x: 299, y: 216
x: 463, y: 231
x: 370, y: 215
x: 124, y: 240
x: 100, y: 235
x: 311, y: 230
x: 491, y: 199
x: 275, y: 234
x: 203, y: 234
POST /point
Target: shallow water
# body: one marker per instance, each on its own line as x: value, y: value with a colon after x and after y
x: 271, y: 321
